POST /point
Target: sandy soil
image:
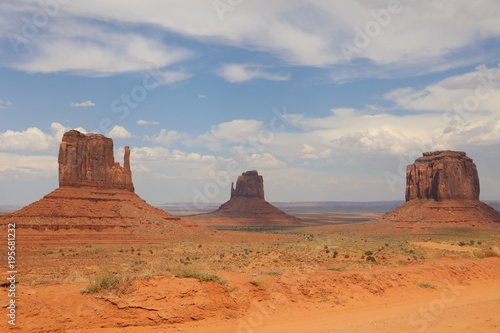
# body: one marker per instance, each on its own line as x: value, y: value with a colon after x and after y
x: 466, y: 298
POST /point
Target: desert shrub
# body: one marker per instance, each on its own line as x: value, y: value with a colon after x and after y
x: 368, y: 253
x: 461, y: 244
x: 370, y: 258
x: 338, y: 269
x: 496, y: 251
x: 271, y: 272
x: 493, y: 252
x: 426, y: 285
x: 257, y: 282
x: 201, y: 276
x: 118, y: 284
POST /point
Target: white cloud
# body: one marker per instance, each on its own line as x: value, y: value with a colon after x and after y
x: 84, y: 104
x: 475, y: 91
x: 236, y: 73
x: 19, y: 166
x: 202, y: 96
x: 165, y: 137
x: 32, y: 139
x: 169, y: 77
x: 145, y: 122
x: 96, y: 49
x: 419, y: 37
x: 235, y: 131
x: 260, y: 161
x: 119, y: 132
x: 5, y: 104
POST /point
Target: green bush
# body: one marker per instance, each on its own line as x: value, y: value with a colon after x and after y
x: 201, y: 276
x: 106, y: 281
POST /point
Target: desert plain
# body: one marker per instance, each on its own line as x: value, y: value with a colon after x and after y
x: 318, y: 277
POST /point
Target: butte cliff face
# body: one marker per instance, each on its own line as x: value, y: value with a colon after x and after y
x: 442, y: 189
x: 248, y: 185
x: 95, y: 193
x: 247, y: 206
x: 87, y: 160
x: 442, y: 175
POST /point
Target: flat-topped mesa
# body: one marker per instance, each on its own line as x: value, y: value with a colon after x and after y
x: 442, y: 175
x: 87, y: 160
x: 248, y: 185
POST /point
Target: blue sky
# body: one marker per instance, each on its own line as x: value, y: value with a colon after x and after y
x: 328, y: 100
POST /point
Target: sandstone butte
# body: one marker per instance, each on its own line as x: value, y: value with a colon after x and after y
x: 442, y: 188
x: 247, y: 206
x: 95, y: 193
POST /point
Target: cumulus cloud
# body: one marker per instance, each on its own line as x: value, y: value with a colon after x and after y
x: 119, y: 132
x: 235, y: 131
x: 236, y: 73
x: 259, y: 161
x: 84, y: 104
x: 145, y: 122
x: 32, y: 139
x: 17, y: 166
x: 165, y: 137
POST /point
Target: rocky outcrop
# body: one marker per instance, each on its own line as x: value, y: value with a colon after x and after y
x: 87, y: 160
x: 442, y: 189
x: 442, y: 175
x: 95, y: 193
x: 248, y: 185
x: 246, y: 206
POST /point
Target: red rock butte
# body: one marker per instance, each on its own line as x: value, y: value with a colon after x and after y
x: 442, y: 189
x: 247, y: 206
x: 95, y: 193
x: 87, y: 160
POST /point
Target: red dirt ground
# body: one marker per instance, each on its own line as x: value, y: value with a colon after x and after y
x: 467, y: 296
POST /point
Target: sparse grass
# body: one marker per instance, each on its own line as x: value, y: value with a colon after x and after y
x: 76, y: 275
x: 271, y: 272
x: 201, y: 276
x: 257, y: 282
x: 493, y: 252
x: 338, y: 269
x: 426, y: 285
x: 118, y: 284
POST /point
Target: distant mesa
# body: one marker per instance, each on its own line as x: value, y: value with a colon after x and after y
x: 247, y: 206
x: 95, y: 193
x: 442, y: 188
